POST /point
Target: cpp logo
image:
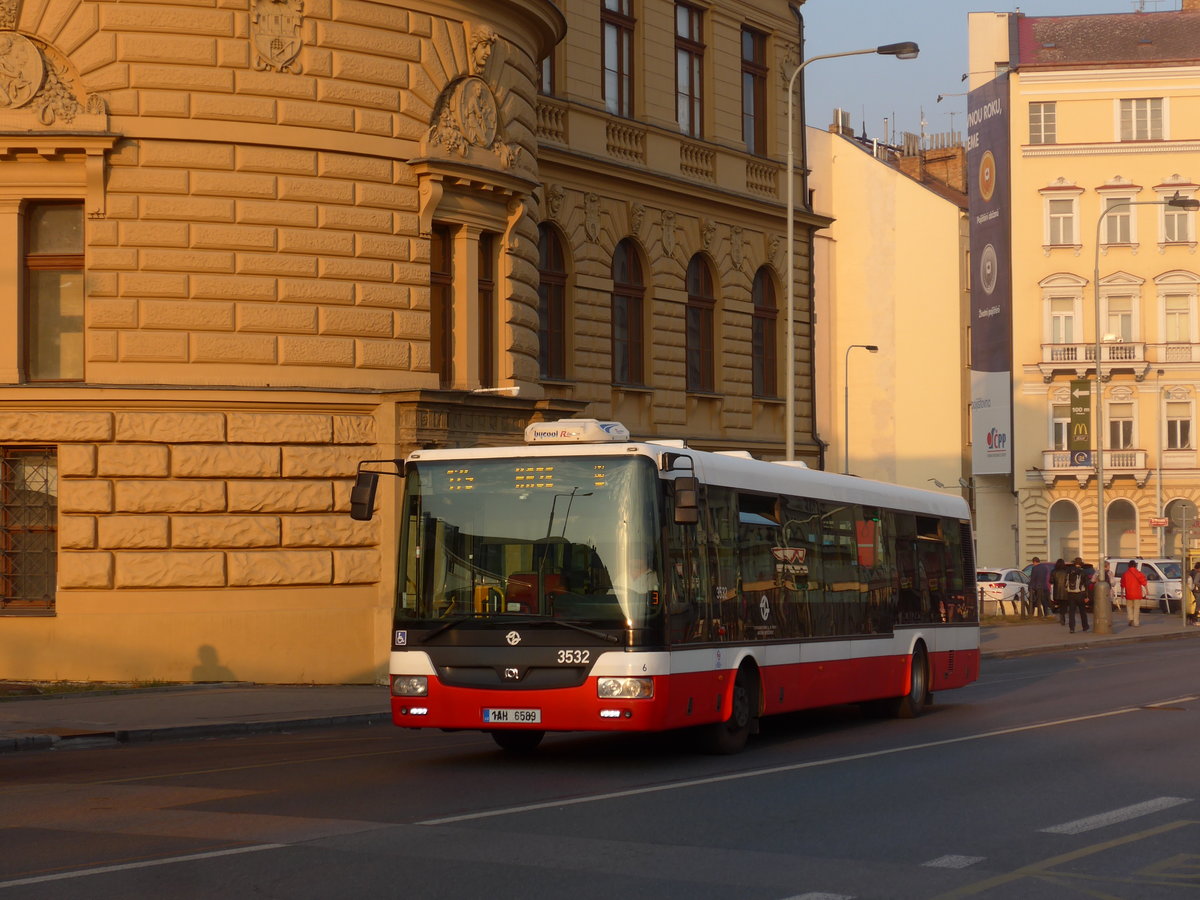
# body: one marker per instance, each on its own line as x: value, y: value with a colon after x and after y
x: 996, y: 440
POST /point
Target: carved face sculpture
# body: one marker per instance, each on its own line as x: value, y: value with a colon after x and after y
x: 481, y: 49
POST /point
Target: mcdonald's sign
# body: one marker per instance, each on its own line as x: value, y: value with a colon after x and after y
x: 1080, y: 436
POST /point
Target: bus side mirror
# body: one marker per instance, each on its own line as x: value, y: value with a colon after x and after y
x: 362, y: 496
x: 687, y: 502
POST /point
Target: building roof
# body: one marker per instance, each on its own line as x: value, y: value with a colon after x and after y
x: 1127, y: 39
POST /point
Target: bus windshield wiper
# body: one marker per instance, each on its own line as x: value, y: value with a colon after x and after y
x: 454, y: 623
x: 542, y: 619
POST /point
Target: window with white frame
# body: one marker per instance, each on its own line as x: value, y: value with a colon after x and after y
x: 1176, y: 225
x: 1118, y: 319
x: 1062, y: 320
x: 1118, y: 220
x: 1120, y: 426
x: 1142, y: 119
x: 1060, y: 221
x: 1179, y: 425
x: 1060, y: 425
x: 1177, y: 318
x: 1042, y: 123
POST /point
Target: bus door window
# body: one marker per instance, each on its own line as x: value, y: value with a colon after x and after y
x: 687, y: 585
x: 845, y: 592
x: 720, y: 523
x: 759, y: 532
x: 877, y: 565
x: 800, y: 564
x: 912, y: 605
x: 931, y: 563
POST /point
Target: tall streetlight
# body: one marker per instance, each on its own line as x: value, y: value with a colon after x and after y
x: 904, y: 50
x: 1103, y: 610
x: 870, y: 348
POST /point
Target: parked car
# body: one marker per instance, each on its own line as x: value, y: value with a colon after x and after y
x: 1001, y: 590
x: 1164, y: 582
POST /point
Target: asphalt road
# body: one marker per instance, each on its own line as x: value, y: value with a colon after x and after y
x: 1056, y: 776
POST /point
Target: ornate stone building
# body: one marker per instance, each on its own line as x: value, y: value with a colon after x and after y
x: 249, y: 243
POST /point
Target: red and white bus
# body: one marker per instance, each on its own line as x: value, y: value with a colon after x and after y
x: 587, y: 582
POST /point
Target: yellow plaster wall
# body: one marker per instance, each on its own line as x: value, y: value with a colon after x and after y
x: 891, y: 277
x: 281, y: 636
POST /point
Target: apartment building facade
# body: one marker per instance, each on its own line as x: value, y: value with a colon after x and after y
x: 1102, y: 112
x: 249, y: 244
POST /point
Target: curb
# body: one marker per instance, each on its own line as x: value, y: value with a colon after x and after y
x: 93, y: 739
x: 1075, y: 646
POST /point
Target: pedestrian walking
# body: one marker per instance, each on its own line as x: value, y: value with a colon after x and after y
x: 1039, y: 584
x: 1076, y: 590
x: 1193, y: 587
x: 1114, y: 594
x: 1134, y: 584
x: 1058, y: 590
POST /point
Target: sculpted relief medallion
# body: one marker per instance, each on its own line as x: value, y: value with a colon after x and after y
x: 21, y: 70
x: 466, y: 114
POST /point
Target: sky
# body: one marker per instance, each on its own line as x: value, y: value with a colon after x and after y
x: 878, y: 88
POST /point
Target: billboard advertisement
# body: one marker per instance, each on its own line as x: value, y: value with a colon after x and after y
x: 991, y: 278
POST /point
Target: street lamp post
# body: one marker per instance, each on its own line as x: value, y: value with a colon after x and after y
x: 1103, y: 610
x: 904, y: 50
x: 870, y: 348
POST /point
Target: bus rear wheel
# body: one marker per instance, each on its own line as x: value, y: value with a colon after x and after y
x: 728, y: 737
x: 913, y: 703
x: 518, y: 741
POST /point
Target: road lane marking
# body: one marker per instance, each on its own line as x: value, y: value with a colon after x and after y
x: 1042, y: 868
x: 1112, y: 817
x: 774, y: 770
x: 953, y: 862
x: 146, y: 864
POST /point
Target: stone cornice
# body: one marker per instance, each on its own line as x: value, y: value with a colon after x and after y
x: 1109, y: 148
x: 321, y: 139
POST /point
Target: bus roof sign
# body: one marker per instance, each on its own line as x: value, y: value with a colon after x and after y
x: 576, y: 431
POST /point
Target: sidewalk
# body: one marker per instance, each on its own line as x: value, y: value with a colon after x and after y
x: 109, y: 718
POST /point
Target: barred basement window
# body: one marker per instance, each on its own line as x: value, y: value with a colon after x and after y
x: 28, y: 529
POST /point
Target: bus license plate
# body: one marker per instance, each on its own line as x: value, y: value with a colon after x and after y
x: 512, y: 716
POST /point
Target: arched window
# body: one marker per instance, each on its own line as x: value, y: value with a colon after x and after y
x: 628, y: 327
x: 699, y: 333
x: 552, y: 304
x: 764, y: 335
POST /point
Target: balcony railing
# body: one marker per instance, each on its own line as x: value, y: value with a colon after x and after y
x: 1111, y: 352
x: 1059, y: 461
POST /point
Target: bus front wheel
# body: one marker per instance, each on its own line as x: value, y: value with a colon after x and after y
x: 724, y: 738
x: 518, y: 741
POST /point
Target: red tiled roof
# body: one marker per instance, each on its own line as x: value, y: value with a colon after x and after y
x: 1115, y: 39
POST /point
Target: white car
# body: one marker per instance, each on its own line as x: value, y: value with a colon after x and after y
x: 1002, y: 591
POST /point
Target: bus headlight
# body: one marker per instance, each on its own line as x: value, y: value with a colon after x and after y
x: 410, y: 685
x: 625, y: 688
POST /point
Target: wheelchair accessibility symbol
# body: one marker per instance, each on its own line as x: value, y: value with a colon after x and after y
x: 1081, y: 457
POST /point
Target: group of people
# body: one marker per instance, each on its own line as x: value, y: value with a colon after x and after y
x: 1066, y: 588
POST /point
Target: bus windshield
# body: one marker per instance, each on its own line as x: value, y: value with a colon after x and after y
x: 573, y: 538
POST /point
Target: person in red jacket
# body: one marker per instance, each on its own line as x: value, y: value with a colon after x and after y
x: 1134, y: 584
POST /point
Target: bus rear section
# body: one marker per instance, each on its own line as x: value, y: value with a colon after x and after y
x: 589, y: 583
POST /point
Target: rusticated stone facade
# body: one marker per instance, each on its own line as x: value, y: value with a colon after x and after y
x: 260, y: 185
